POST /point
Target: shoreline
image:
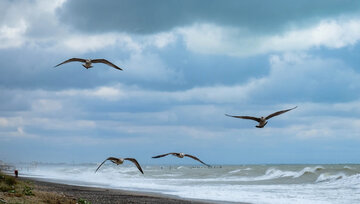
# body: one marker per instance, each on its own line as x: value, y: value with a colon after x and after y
x: 108, y: 195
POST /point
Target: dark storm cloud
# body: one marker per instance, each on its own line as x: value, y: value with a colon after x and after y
x: 144, y: 17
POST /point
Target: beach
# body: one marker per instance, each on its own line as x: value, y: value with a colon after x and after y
x: 63, y: 193
x: 103, y: 195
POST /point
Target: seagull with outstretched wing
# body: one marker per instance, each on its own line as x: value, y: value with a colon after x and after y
x: 118, y: 161
x: 181, y: 155
x: 262, y: 120
x: 88, y: 62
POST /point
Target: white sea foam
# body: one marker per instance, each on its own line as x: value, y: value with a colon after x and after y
x: 239, y: 170
x: 181, y: 167
x: 235, y: 171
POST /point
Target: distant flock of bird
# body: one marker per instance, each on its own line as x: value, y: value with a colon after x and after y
x: 88, y: 64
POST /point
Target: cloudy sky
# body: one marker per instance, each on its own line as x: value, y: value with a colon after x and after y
x: 186, y: 63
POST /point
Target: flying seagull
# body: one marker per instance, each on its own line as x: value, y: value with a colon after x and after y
x: 181, y: 155
x: 88, y: 62
x: 262, y: 120
x: 118, y: 161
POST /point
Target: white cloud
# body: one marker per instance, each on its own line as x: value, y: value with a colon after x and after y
x: 12, y: 36
x: 26, y: 22
x: 328, y: 33
x: 161, y: 40
x: 110, y: 93
x: 4, y: 122
x: 83, y: 44
x: 235, y: 41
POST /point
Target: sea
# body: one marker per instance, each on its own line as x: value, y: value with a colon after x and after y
x: 338, y: 183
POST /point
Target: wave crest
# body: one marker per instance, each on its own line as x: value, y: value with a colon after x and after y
x: 329, y: 177
x: 273, y: 173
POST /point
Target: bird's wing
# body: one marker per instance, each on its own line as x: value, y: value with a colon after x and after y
x: 72, y: 60
x: 193, y: 157
x: 245, y: 117
x: 109, y: 158
x: 105, y: 62
x: 162, y: 155
x: 278, y: 113
x: 136, y: 163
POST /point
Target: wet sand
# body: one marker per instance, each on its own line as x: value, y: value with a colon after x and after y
x: 103, y: 195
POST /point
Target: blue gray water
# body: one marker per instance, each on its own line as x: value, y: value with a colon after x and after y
x: 243, y: 183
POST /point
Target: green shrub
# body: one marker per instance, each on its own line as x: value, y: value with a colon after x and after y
x: 12, y: 191
x: 83, y: 201
x: 28, y: 191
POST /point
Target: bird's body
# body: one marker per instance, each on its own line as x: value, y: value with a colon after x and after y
x: 262, y: 120
x: 119, y: 161
x: 88, y: 62
x: 181, y: 155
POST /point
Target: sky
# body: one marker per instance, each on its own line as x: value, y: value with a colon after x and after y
x: 185, y: 64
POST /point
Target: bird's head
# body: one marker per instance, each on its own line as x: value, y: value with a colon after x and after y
x: 182, y: 155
